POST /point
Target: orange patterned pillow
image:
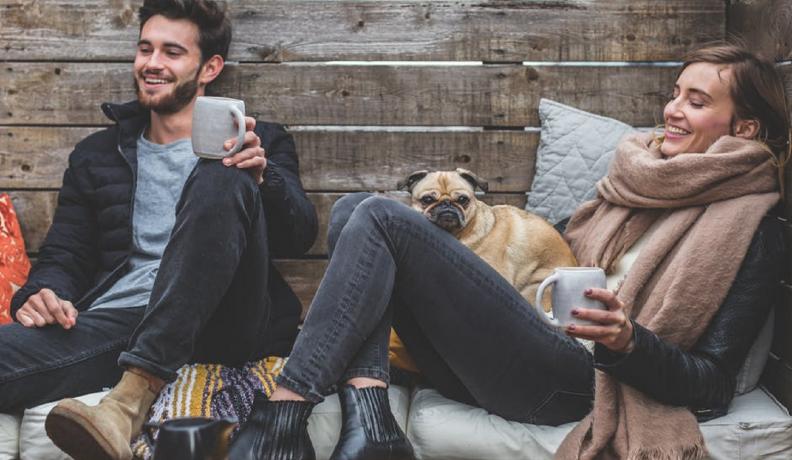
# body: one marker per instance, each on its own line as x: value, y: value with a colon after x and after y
x: 14, y: 263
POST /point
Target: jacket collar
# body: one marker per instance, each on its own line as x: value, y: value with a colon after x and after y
x: 131, y: 119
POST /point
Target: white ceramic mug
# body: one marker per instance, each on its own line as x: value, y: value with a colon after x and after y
x: 569, y: 285
x: 213, y: 124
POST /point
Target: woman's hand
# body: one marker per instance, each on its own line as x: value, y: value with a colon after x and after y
x: 613, y: 330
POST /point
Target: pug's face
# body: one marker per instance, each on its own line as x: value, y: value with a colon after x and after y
x: 446, y: 199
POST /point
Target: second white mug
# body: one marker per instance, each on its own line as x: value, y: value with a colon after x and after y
x: 569, y: 285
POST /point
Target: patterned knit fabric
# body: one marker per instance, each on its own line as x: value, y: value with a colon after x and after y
x: 209, y: 390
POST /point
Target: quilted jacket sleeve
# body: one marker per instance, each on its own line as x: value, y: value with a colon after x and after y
x: 291, y: 217
x: 67, y: 261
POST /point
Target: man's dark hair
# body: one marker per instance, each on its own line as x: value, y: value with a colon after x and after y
x: 214, y: 27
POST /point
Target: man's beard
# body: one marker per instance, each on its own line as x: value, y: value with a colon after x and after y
x: 172, y: 102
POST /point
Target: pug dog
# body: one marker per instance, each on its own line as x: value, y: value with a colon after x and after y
x: 523, y: 247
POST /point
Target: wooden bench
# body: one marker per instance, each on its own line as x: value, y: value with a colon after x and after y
x: 373, y: 90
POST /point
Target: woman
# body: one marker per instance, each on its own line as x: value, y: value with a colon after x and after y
x: 691, y: 205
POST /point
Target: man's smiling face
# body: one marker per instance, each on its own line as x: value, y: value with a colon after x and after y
x: 167, y: 64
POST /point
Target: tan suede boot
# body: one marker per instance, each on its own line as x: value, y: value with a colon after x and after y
x: 103, y: 431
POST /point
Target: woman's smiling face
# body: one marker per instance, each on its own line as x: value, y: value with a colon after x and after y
x: 701, y: 110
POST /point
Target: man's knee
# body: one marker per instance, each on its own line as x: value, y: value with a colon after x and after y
x: 213, y: 184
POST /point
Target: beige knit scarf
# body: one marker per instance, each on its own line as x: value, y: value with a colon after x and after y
x: 709, y: 206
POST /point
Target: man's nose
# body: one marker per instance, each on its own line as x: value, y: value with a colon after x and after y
x: 154, y: 61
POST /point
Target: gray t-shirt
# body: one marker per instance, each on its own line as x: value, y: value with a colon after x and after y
x: 162, y: 172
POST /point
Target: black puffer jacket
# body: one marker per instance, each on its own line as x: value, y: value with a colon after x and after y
x: 703, y: 378
x: 90, y: 239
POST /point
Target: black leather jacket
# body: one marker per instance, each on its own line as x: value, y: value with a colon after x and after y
x: 703, y: 378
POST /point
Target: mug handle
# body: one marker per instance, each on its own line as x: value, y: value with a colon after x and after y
x: 240, y: 119
x: 538, y: 304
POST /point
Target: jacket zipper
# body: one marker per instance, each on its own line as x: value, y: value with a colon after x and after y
x: 101, y: 285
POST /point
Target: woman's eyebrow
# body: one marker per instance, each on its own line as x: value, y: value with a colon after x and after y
x: 700, y: 92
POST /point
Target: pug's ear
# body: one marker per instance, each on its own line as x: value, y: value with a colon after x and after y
x: 409, y: 182
x: 474, y: 180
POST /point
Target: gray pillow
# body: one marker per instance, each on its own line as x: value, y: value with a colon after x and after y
x: 575, y: 148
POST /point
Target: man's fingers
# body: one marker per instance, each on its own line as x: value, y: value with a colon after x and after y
x: 71, y: 313
x: 24, y: 319
x: 55, y: 307
x: 39, y: 309
x: 243, y: 155
x: 250, y: 140
x: 38, y: 320
x: 250, y: 123
x: 256, y: 162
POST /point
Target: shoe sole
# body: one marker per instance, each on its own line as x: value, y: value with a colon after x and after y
x: 74, y: 435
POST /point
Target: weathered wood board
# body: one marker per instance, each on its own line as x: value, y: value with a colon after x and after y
x: 37, y: 208
x: 35, y: 157
x: 315, y: 94
x: 595, y: 30
x: 763, y: 25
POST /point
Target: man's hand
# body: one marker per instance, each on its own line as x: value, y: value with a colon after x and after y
x: 251, y: 157
x: 45, y: 308
x: 613, y: 329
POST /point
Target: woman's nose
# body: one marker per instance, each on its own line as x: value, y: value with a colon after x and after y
x: 672, y: 108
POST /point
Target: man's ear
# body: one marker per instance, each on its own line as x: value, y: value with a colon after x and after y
x: 211, y: 69
x: 746, y: 129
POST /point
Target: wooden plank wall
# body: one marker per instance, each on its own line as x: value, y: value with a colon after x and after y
x: 766, y: 27
x: 446, y: 84
x: 375, y: 89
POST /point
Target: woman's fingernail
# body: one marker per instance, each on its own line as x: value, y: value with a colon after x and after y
x: 571, y: 327
x: 575, y: 312
x: 587, y: 292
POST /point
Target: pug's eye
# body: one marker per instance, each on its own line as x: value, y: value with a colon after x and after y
x: 427, y: 200
x: 463, y: 200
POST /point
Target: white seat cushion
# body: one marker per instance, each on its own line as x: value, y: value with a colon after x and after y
x: 757, y: 426
x: 33, y: 441
x: 9, y: 436
x: 324, y: 425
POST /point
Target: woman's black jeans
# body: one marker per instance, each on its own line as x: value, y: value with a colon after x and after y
x: 470, y: 332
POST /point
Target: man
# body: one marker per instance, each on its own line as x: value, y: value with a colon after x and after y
x: 121, y: 271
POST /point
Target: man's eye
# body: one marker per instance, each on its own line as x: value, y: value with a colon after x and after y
x: 427, y: 200
x: 697, y: 104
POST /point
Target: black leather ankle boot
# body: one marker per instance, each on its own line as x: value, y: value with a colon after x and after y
x: 275, y: 430
x: 369, y: 431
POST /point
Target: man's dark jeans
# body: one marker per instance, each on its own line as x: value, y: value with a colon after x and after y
x: 470, y: 332
x: 209, y: 303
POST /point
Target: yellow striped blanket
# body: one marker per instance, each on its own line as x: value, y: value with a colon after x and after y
x: 209, y: 390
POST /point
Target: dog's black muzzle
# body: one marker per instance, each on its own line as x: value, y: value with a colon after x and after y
x: 447, y: 216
